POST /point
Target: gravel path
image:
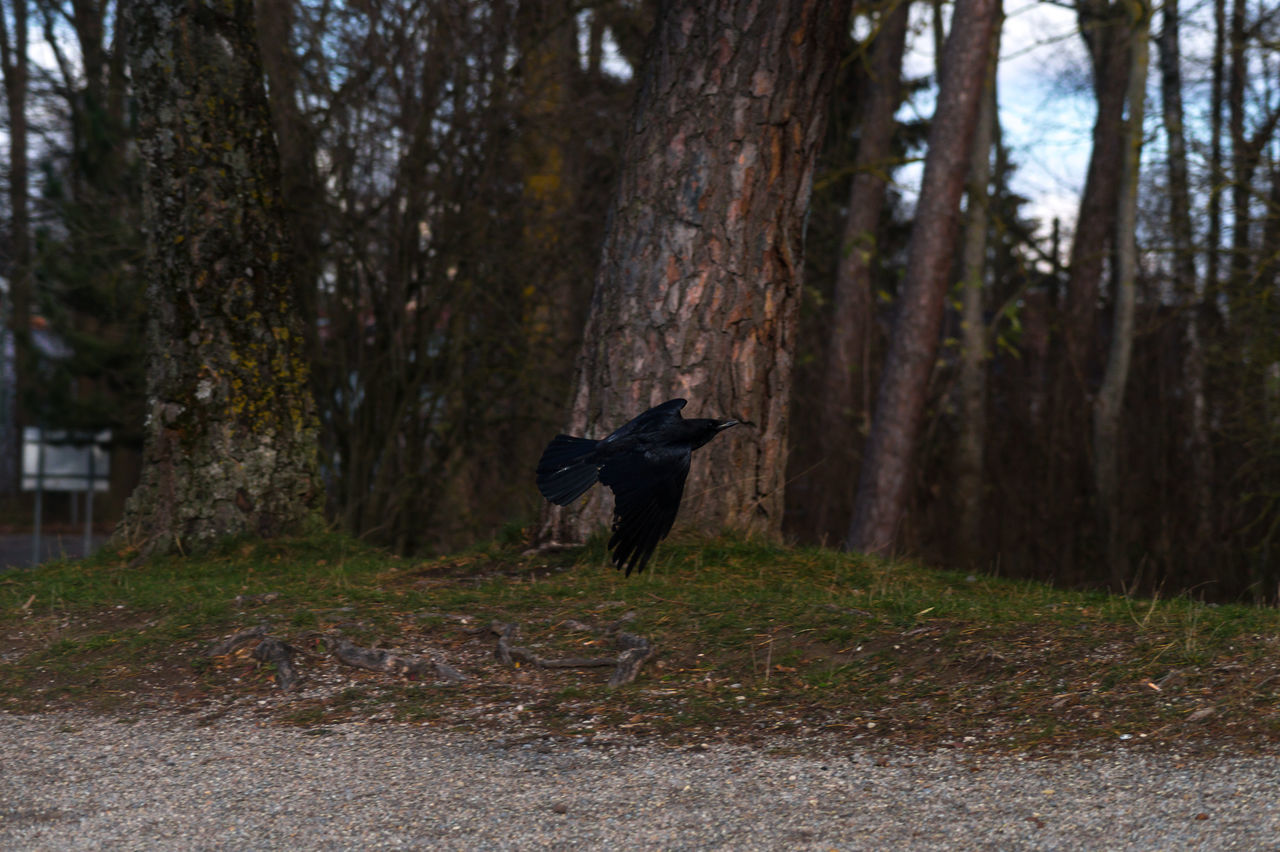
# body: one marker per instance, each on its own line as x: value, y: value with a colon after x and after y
x: 162, y: 782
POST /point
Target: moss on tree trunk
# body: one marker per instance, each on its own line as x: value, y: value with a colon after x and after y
x: 230, y: 436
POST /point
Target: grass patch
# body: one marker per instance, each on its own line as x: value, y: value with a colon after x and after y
x: 754, y: 641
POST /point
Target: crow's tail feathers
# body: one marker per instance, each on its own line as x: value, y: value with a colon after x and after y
x: 564, y: 474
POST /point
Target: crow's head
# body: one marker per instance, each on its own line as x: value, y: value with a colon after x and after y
x: 705, y: 429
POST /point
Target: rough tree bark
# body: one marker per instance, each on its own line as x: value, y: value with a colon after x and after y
x: 886, y: 473
x: 230, y: 443
x: 1110, y: 400
x: 846, y: 380
x: 973, y: 327
x: 699, y: 279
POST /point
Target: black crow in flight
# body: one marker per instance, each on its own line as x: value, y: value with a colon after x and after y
x: 645, y: 463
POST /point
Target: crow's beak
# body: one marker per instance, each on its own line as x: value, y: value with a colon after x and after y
x: 726, y: 424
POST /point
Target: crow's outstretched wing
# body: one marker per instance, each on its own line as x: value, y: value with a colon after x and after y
x: 650, y: 420
x: 647, y: 487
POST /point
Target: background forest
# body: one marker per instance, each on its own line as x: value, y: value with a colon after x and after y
x: 1104, y: 403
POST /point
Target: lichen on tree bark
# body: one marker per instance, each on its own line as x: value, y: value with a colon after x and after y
x: 230, y: 442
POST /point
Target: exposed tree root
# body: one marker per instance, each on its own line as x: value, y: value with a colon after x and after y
x: 379, y: 660
x: 272, y: 650
x: 634, y: 651
x: 236, y: 641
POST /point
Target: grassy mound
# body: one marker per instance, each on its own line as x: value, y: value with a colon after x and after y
x: 755, y: 642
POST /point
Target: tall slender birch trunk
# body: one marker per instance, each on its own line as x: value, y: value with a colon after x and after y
x: 1108, y: 406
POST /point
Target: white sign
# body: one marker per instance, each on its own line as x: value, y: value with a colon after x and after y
x: 62, y: 460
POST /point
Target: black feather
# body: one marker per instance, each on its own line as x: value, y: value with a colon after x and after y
x: 645, y: 463
x: 647, y: 487
x: 566, y: 470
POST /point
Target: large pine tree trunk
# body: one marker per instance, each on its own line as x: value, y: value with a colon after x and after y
x: 230, y: 443
x: 699, y: 279
x: 886, y: 473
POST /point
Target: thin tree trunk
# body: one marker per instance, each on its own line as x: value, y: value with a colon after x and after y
x: 699, y: 280
x: 1109, y: 404
x: 1241, y: 159
x: 846, y: 380
x: 1248, y: 342
x: 939, y: 38
x: 1066, y: 494
x: 13, y: 55
x: 1105, y: 28
x: 886, y: 473
x: 230, y: 444
x: 89, y: 258
x: 973, y: 327
x: 549, y: 152
x: 1213, y: 238
x: 1246, y: 156
x: 548, y: 43
x: 300, y: 190
x: 1197, y: 444
x: 595, y: 45
x: 1268, y: 271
